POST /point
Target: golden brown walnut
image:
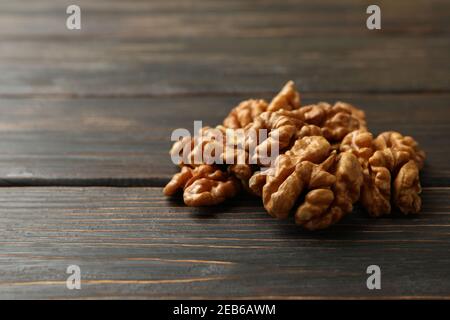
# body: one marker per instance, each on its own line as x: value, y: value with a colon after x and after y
x: 405, y: 183
x: 407, y: 189
x: 210, y: 146
x: 288, y: 98
x: 281, y: 128
x: 187, y: 175
x: 360, y: 143
x: 376, y: 191
x: 323, y: 206
x: 308, y: 130
x: 204, y: 185
x: 333, y: 182
x: 291, y: 178
x: 398, y: 142
x: 258, y: 180
x: 178, y: 181
x: 335, y: 121
x: 245, y: 113
x: 332, y: 187
x: 391, y: 165
x: 403, y: 158
x: 209, y: 192
x: 243, y: 172
x: 310, y: 148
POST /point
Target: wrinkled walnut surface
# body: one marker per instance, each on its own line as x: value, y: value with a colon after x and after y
x: 333, y: 183
x: 245, y: 113
x: 288, y: 98
x: 335, y: 121
x: 282, y: 127
x: 310, y: 148
x: 204, y: 185
x: 324, y: 207
x: 327, y: 160
x: 210, y: 146
x: 391, y: 165
x: 331, y: 189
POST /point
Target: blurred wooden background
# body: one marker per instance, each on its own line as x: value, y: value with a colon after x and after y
x: 85, y: 123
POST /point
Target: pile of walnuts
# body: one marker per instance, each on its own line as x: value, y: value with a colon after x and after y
x: 328, y: 160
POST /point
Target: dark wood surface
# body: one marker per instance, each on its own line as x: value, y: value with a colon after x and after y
x: 89, y: 141
x: 85, y: 123
x: 135, y: 243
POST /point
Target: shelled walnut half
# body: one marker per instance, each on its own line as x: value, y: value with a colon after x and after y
x: 204, y: 185
x: 247, y: 111
x: 326, y: 205
x: 332, y: 183
x: 391, y: 164
x: 210, y: 146
x: 335, y: 120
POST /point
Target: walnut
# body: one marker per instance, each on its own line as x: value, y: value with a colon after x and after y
x: 258, y: 180
x: 291, y: 178
x: 323, y: 206
x: 310, y: 148
x: 390, y: 162
x: 204, y: 185
x: 210, y: 146
x: 396, y: 141
x: 335, y: 121
x: 208, y: 192
x: 407, y: 188
x: 308, y: 130
x: 376, y: 190
x: 178, y: 181
x: 243, y: 172
x: 282, y: 127
x: 405, y: 160
x: 333, y: 186
x: 333, y: 182
x: 288, y: 98
x: 360, y: 143
x: 245, y: 113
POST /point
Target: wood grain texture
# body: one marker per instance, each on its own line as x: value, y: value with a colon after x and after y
x: 123, y: 142
x: 135, y: 243
x: 197, y: 47
x: 96, y: 108
x: 158, y: 19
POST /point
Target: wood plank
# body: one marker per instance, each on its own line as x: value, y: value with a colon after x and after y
x: 218, y: 65
x: 125, y: 142
x: 135, y: 243
x: 158, y: 19
x: 197, y: 47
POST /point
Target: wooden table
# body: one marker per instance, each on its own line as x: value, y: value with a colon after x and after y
x: 85, y: 123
